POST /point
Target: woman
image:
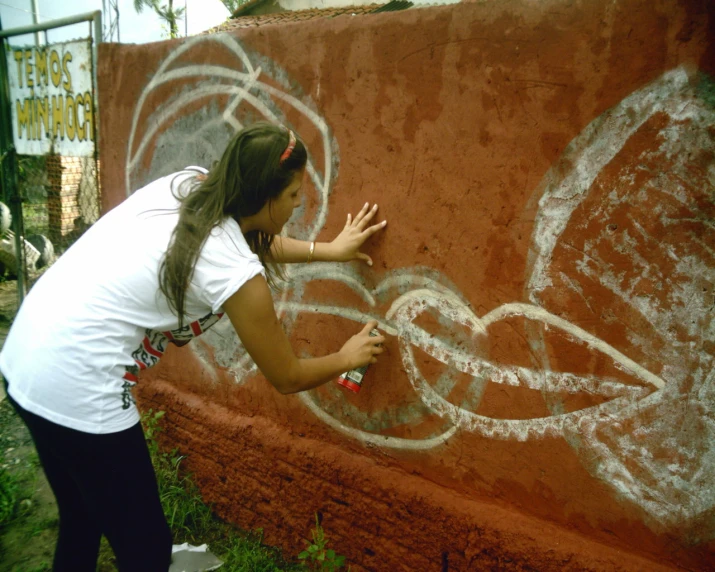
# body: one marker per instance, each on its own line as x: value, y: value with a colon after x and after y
x: 161, y: 267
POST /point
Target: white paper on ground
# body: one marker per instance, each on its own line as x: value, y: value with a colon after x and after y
x: 188, y: 558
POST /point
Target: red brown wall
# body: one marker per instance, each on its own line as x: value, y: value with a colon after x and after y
x: 546, y: 280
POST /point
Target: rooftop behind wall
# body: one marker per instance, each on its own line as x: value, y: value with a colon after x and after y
x: 546, y: 277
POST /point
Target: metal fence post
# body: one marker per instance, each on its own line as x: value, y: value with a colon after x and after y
x: 14, y: 184
x: 9, y: 168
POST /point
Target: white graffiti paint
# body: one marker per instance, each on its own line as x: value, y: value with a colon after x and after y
x: 373, y: 439
x: 398, y: 321
x: 409, y: 306
x: 615, y: 439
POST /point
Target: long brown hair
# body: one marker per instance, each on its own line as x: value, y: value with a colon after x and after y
x: 249, y: 174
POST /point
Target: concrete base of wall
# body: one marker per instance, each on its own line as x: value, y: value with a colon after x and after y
x: 260, y: 475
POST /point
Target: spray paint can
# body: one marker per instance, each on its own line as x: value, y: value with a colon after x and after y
x: 353, y: 379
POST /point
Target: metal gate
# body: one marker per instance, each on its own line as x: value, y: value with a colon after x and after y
x: 49, y: 163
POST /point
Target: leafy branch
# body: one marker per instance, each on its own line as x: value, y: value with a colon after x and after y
x: 166, y: 12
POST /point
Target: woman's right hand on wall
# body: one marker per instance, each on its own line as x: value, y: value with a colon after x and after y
x: 362, y: 349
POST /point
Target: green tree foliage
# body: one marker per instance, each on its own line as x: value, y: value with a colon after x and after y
x: 166, y: 12
x: 233, y: 5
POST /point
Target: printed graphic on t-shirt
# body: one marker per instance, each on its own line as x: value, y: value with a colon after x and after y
x: 154, y: 345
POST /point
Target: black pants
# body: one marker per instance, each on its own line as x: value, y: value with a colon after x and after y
x: 104, y: 484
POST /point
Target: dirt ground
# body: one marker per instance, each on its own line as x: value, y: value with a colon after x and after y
x: 27, y: 543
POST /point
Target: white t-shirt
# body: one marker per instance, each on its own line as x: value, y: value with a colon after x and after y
x: 97, y: 316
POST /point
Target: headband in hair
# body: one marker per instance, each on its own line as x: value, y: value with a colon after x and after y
x: 289, y: 149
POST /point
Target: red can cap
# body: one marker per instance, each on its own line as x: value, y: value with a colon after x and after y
x: 351, y: 385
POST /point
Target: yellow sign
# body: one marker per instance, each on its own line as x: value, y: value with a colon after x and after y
x: 52, y: 103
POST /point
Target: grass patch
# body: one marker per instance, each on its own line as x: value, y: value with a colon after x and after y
x: 8, y: 493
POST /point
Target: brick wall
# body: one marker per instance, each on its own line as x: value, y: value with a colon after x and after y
x: 72, y: 197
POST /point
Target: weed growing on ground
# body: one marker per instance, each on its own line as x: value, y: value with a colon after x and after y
x: 317, y: 556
